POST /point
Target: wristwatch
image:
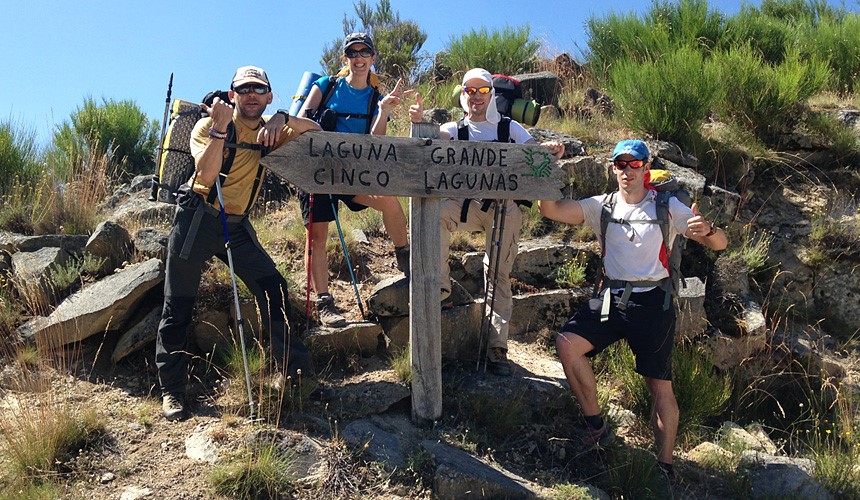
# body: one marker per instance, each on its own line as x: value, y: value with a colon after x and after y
x: 285, y: 113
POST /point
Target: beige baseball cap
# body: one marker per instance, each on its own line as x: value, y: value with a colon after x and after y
x: 250, y: 74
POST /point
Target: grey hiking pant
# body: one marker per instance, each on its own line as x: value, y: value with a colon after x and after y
x: 252, y: 265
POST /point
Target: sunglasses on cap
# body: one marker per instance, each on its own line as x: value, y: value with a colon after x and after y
x: 255, y: 88
x: 352, y: 54
x: 623, y: 164
x: 477, y: 90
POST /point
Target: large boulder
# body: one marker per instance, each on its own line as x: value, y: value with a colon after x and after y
x: 110, y: 241
x: 837, y: 297
x: 543, y: 87
x: 73, y: 244
x: 31, y: 272
x: 140, y: 334
x: 781, y: 477
x: 550, y: 309
x: 151, y: 242
x: 459, y: 475
x: 103, y: 306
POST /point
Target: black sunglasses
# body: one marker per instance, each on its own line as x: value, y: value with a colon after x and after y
x: 247, y: 89
x: 352, y: 54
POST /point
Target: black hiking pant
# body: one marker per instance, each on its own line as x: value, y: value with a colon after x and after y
x: 182, y: 279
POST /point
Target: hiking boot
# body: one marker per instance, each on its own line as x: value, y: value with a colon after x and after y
x: 171, y: 407
x: 328, y: 312
x: 402, y: 256
x: 497, y: 362
x: 668, y: 471
x: 595, y: 438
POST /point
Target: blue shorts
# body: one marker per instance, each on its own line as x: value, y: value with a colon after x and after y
x: 648, y: 329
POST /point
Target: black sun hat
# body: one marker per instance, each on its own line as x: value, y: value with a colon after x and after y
x: 354, y: 38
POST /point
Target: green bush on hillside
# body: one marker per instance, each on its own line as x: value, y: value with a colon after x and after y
x: 20, y: 157
x: 763, y: 98
x: 119, y: 129
x: 667, y: 99
x: 688, y: 22
x: 509, y: 51
x: 766, y: 34
x: 623, y: 37
x: 838, y: 42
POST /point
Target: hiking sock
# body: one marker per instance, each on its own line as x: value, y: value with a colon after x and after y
x: 667, y: 469
x: 594, y: 421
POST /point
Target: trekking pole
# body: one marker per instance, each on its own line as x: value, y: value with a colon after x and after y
x: 235, y: 294
x: 346, y: 254
x: 498, y: 221
x: 310, y: 259
x: 153, y: 195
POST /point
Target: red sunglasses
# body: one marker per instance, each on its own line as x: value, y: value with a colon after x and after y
x: 479, y: 90
x: 623, y: 164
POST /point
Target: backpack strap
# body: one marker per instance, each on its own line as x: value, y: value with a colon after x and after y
x: 372, y: 104
x: 329, y: 90
x: 231, y: 146
x: 503, y: 130
x: 601, y: 284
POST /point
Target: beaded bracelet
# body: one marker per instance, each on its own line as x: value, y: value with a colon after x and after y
x: 216, y: 134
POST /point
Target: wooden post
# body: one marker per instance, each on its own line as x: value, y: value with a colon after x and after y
x: 425, y: 312
x: 426, y: 170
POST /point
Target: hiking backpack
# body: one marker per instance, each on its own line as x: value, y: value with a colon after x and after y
x: 510, y: 101
x: 176, y: 163
x: 667, y: 187
x: 327, y: 118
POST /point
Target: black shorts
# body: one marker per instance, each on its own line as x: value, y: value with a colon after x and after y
x: 648, y: 329
x: 325, y: 206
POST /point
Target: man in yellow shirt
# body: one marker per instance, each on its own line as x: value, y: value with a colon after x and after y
x: 229, y: 142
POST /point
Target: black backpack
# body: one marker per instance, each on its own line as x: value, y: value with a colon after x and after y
x: 176, y: 164
x: 667, y: 187
x: 510, y: 101
x: 327, y: 118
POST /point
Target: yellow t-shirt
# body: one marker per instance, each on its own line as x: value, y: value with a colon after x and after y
x: 239, y: 189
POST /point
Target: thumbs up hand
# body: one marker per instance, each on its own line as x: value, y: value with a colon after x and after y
x: 697, y: 225
x: 416, y: 111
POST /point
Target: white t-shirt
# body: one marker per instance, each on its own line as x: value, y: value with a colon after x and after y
x: 487, y: 132
x: 635, y: 252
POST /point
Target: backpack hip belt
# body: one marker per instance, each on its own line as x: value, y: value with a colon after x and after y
x: 627, y: 287
x: 202, y: 207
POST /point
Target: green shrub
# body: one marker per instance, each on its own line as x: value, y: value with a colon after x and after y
x: 766, y: 34
x: 20, y: 157
x: 753, y: 250
x: 401, y: 363
x: 38, y: 441
x: 509, y: 51
x: 262, y: 473
x: 765, y: 98
x: 838, y: 42
x: 571, y: 273
x: 688, y: 23
x: 118, y: 129
x: 669, y: 98
x: 623, y: 37
x: 625, y: 464
x: 700, y: 391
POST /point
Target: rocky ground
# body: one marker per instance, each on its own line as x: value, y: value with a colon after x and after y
x: 504, y: 437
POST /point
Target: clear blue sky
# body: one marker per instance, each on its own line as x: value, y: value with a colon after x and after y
x: 57, y: 52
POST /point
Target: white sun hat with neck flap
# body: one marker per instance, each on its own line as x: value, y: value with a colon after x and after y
x: 493, y: 115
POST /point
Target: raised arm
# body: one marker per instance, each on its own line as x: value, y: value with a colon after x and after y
x: 567, y: 211
x: 208, y: 164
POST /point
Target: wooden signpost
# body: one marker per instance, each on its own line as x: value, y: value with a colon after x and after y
x: 425, y: 169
